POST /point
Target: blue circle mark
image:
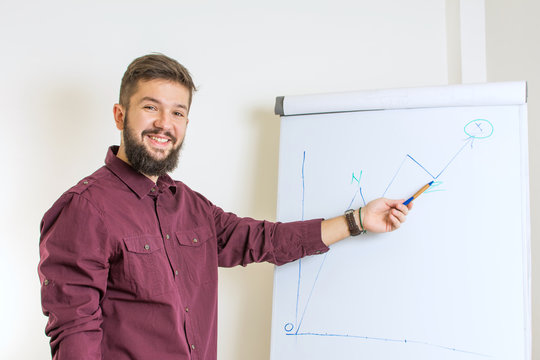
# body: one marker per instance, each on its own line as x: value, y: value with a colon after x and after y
x: 288, y: 327
x: 479, y: 129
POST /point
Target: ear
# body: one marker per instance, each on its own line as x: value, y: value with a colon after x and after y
x: 119, y: 116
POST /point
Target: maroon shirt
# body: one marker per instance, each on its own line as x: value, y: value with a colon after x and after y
x: 129, y: 268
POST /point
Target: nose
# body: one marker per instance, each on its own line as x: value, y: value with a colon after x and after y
x: 163, y: 121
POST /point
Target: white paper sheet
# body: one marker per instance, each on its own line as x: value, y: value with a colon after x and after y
x: 453, y: 282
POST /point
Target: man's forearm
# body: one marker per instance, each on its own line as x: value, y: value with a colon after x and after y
x: 336, y: 229
x: 379, y: 215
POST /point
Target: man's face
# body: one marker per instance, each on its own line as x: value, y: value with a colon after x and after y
x: 154, y: 126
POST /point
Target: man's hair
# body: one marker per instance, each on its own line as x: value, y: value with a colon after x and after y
x: 150, y: 67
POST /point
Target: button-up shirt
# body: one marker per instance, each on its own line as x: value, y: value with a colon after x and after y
x: 129, y: 267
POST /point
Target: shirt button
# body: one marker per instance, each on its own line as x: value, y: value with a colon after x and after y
x: 153, y: 189
x: 192, y: 347
x: 195, y: 241
x: 85, y: 182
x: 46, y: 282
x: 167, y: 236
x: 176, y: 272
x: 147, y: 247
x: 187, y: 309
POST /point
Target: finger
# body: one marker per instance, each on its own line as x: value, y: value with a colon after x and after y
x: 395, y: 222
x: 403, y: 208
x: 398, y: 204
x: 394, y: 202
x: 399, y: 215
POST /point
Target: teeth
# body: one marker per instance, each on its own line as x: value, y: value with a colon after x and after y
x: 159, y: 139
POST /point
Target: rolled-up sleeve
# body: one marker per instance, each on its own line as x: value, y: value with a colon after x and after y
x: 244, y: 240
x: 73, y: 271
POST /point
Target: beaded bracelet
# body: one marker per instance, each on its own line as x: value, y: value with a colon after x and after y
x: 360, y: 217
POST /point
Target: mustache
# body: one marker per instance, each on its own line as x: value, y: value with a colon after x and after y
x: 159, y: 132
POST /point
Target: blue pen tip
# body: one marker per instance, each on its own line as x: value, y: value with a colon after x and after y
x: 431, y: 182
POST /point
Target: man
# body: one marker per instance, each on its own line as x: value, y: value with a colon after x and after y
x: 129, y: 257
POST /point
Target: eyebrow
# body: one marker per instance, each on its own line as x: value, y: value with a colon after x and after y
x: 149, y: 98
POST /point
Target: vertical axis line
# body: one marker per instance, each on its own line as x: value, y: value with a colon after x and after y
x: 300, y: 260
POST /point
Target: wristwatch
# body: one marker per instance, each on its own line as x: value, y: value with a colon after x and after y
x: 353, y: 227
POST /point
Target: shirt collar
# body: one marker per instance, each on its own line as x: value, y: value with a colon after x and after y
x: 137, y: 182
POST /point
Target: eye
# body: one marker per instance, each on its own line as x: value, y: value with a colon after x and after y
x: 179, y: 114
x: 150, y: 107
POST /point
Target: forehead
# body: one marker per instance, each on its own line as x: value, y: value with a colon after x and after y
x: 162, y: 90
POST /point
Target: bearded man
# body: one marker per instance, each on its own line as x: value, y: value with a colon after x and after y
x: 129, y: 257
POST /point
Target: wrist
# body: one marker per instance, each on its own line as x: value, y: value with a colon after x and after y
x: 361, y: 219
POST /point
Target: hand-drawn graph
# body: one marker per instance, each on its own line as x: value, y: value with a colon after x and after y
x: 453, y: 283
x: 474, y: 130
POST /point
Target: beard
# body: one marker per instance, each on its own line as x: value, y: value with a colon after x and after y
x: 142, y: 160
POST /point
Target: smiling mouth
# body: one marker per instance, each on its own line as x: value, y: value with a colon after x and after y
x: 159, y: 140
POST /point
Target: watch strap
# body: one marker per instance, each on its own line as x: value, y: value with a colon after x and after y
x: 354, y: 230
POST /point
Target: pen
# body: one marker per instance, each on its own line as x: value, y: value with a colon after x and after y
x: 424, y: 188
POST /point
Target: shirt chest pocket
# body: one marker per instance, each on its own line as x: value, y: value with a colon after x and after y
x: 146, y: 264
x: 198, y: 254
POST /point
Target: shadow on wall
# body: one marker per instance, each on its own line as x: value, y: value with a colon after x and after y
x: 72, y: 133
x: 252, y: 287
x: 245, y: 312
x: 65, y: 130
x: 264, y: 197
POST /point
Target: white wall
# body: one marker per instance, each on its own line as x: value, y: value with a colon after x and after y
x: 512, y: 31
x: 61, y: 66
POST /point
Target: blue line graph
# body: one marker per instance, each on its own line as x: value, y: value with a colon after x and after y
x: 475, y: 129
x: 359, y: 191
x: 404, y: 341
